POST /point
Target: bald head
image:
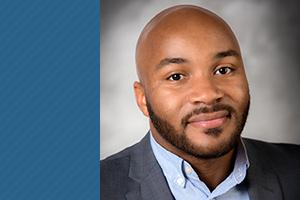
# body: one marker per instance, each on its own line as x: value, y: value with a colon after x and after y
x: 175, y: 24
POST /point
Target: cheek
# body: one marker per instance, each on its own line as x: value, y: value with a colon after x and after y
x: 239, y: 94
x: 167, y: 103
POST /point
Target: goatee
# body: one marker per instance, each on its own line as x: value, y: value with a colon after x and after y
x: 179, y: 139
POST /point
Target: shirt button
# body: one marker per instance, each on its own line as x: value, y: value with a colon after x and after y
x: 188, y: 170
x: 239, y: 177
x: 180, y: 181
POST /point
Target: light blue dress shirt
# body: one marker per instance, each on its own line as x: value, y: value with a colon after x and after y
x: 185, y: 184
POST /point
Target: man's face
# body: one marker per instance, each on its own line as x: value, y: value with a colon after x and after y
x: 196, y: 90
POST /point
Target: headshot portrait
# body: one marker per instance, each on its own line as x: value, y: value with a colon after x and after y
x: 199, y: 100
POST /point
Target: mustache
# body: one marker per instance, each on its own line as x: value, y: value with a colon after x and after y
x: 207, y: 109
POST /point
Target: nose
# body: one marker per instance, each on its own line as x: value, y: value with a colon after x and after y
x: 204, y: 91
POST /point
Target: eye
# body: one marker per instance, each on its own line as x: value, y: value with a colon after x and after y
x: 223, y: 70
x: 175, y: 77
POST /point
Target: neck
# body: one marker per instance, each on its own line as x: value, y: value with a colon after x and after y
x: 212, y: 171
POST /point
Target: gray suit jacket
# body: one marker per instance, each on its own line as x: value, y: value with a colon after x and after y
x: 134, y: 173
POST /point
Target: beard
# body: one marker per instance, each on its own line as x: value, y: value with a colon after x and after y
x: 179, y: 139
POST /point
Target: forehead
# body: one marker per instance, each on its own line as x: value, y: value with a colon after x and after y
x: 191, y: 44
x: 197, y: 41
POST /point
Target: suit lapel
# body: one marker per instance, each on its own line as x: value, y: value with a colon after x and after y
x: 145, y: 172
x: 262, y: 180
x: 263, y: 184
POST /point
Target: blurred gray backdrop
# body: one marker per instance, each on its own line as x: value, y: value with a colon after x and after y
x: 269, y: 34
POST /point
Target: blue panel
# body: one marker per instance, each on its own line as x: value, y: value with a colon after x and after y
x: 49, y: 99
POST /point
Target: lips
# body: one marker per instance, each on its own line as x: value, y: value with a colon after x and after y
x: 209, y: 120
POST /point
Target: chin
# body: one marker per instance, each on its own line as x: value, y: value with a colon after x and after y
x: 213, y: 145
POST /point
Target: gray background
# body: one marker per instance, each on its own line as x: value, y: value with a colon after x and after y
x: 268, y: 32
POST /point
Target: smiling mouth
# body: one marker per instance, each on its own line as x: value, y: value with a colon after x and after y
x: 209, y: 120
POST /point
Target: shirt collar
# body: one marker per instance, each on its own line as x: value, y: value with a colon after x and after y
x: 171, y: 164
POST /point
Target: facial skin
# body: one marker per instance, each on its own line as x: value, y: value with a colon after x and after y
x: 192, y: 83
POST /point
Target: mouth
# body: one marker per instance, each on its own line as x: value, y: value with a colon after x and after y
x: 210, y: 120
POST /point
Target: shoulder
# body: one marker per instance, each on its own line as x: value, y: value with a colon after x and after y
x: 117, y: 163
x: 115, y: 170
x: 274, y: 165
x: 281, y: 156
x: 283, y: 149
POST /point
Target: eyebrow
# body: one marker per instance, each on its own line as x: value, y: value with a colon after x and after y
x: 167, y: 61
x: 227, y: 53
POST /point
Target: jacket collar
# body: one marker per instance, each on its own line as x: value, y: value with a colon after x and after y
x: 262, y: 180
x: 147, y: 174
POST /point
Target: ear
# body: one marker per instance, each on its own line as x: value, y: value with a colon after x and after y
x: 140, y: 97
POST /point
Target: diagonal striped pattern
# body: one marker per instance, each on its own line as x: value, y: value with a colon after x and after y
x: 49, y: 99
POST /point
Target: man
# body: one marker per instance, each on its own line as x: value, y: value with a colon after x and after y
x: 192, y: 86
